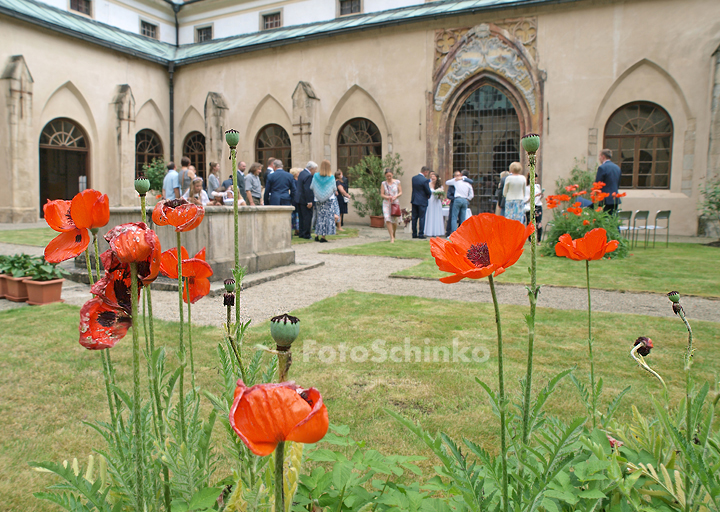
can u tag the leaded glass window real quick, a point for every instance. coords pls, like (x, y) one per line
(273, 141)
(194, 149)
(357, 139)
(147, 147)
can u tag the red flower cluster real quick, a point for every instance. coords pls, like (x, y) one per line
(621, 194)
(105, 318)
(88, 210)
(598, 185)
(593, 246)
(576, 209)
(195, 272)
(571, 188)
(597, 195)
(581, 193)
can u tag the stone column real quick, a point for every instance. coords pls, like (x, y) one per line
(303, 118)
(19, 199)
(714, 147)
(123, 109)
(215, 112)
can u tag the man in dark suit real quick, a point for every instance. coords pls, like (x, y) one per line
(279, 187)
(609, 173)
(304, 197)
(420, 195)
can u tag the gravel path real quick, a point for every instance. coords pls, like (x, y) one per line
(370, 274)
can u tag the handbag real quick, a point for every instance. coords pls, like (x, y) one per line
(395, 210)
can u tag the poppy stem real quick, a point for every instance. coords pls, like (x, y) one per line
(192, 360)
(97, 255)
(590, 348)
(137, 427)
(689, 428)
(284, 362)
(89, 267)
(279, 483)
(181, 349)
(532, 297)
(501, 396)
(237, 272)
(640, 360)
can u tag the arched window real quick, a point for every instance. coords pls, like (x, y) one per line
(357, 139)
(194, 149)
(640, 137)
(63, 161)
(273, 141)
(147, 147)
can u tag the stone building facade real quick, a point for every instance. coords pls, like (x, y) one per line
(448, 86)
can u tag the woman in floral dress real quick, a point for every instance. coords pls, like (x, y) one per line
(390, 191)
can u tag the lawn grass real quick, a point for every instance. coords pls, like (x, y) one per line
(690, 268)
(348, 233)
(37, 237)
(49, 384)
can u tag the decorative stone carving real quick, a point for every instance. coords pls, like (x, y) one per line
(123, 106)
(480, 51)
(215, 111)
(16, 84)
(303, 116)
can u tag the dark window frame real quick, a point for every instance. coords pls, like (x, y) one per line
(152, 29)
(82, 7)
(191, 144)
(267, 24)
(203, 29)
(355, 7)
(346, 157)
(634, 141)
(145, 156)
(282, 152)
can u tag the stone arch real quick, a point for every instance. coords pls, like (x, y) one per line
(268, 111)
(150, 109)
(149, 117)
(68, 102)
(629, 71)
(191, 121)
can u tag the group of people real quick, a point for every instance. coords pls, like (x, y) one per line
(320, 197)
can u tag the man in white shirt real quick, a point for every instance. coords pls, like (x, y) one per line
(171, 183)
(463, 196)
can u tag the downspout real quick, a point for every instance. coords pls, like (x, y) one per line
(171, 72)
(176, 10)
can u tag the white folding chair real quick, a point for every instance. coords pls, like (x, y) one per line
(625, 216)
(661, 215)
(641, 215)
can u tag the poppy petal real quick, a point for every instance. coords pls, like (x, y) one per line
(196, 268)
(169, 263)
(101, 326)
(314, 427)
(90, 209)
(158, 215)
(67, 245)
(57, 215)
(195, 288)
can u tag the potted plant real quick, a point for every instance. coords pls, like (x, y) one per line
(44, 282)
(368, 176)
(155, 173)
(3, 269)
(16, 270)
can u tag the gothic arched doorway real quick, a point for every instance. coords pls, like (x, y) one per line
(63, 161)
(486, 139)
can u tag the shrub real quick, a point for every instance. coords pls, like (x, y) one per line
(710, 204)
(579, 175)
(155, 172)
(368, 175)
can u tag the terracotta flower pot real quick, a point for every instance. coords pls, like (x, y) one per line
(44, 292)
(3, 286)
(16, 289)
(377, 221)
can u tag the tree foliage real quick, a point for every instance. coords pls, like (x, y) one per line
(368, 175)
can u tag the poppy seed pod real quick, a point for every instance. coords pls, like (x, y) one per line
(228, 299)
(677, 308)
(142, 185)
(674, 296)
(232, 137)
(284, 329)
(229, 285)
(531, 143)
(645, 345)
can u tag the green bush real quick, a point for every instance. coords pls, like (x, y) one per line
(574, 225)
(155, 172)
(579, 175)
(710, 204)
(368, 175)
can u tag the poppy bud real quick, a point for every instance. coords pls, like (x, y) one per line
(229, 299)
(531, 143)
(142, 185)
(229, 285)
(674, 296)
(232, 137)
(284, 329)
(645, 345)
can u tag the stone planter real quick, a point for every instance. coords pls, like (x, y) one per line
(377, 221)
(3, 286)
(44, 292)
(16, 289)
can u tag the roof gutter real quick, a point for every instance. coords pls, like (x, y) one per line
(176, 9)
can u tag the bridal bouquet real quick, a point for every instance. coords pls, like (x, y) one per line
(439, 193)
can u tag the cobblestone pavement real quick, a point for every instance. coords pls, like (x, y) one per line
(371, 274)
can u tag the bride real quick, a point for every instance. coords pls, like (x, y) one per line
(434, 225)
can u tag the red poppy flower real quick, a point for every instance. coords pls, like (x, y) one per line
(621, 194)
(101, 326)
(88, 209)
(586, 222)
(181, 214)
(562, 197)
(598, 185)
(195, 272)
(580, 193)
(596, 196)
(134, 243)
(483, 244)
(599, 209)
(571, 188)
(592, 246)
(267, 414)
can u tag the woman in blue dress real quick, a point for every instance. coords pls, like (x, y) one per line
(326, 205)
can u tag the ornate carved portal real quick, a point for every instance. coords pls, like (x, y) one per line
(487, 92)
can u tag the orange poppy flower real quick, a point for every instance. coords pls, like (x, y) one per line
(101, 326)
(580, 193)
(592, 246)
(598, 185)
(114, 288)
(483, 244)
(571, 188)
(562, 197)
(586, 222)
(195, 272)
(621, 194)
(267, 414)
(599, 209)
(88, 209)
(134, 242)
(181, 214)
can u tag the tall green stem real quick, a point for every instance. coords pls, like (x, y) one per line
(181, 351)
(590, 348)
(137, 441)
(192, 360)
(279, 480)
(97, 254)
(501, 397)
(532, 297)
(89, 267)
(237, 273)
(688, 402)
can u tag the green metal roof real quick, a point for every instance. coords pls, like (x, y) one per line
(164, 53)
